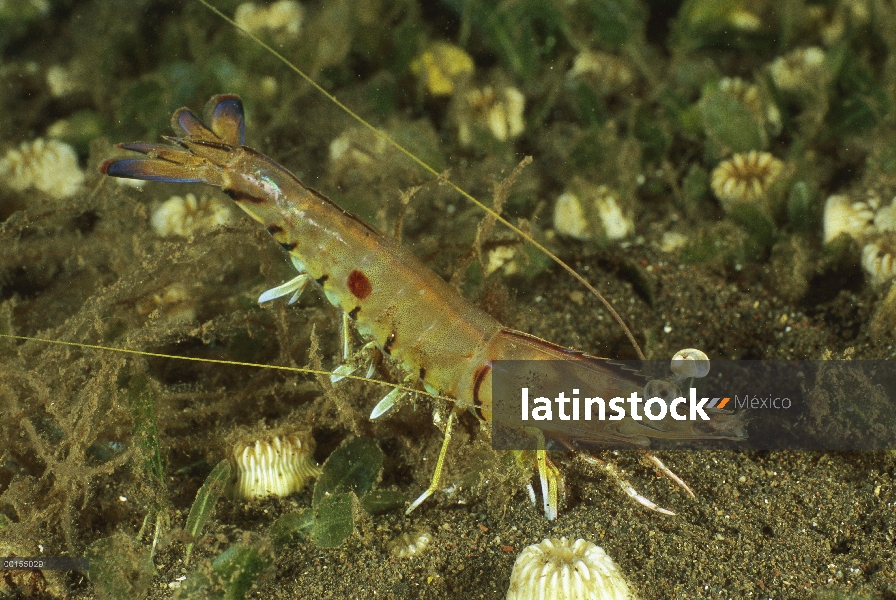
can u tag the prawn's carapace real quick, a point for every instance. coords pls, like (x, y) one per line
(403, 309)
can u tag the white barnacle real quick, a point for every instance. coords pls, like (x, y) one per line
(798, 70)
(187, 215)
(614, 223)
(357, 148)
(569, 218)
(557, 569)
(608, 73)
(885, 217)
(747, 93)
(744, 20)
(64, 80)
(673, 241)
(410, 544)
(284, 16)
(275, 466)
(501, 258)
(360, 157)
(878, 259)
(574, 210)
(842, 215)
(745, 177)
(50, 166)
(174, 304)
(499, 111)
(859, 10)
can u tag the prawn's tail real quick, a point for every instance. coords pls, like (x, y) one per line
(203, 154)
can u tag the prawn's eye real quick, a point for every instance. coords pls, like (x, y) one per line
(690, 362)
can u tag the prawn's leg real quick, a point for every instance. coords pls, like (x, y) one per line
(550, 476)
(389, 400)
(532, 498)
(350, 364)
(668, 473)
(364, 357)
(386, 404)
(437, 475)
(610, 468)
(346, 338)
(551, 484)
(296, 286)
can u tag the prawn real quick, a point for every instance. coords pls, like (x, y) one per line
(405, 311)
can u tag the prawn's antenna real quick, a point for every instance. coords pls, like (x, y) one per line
(218, 361)
(432, 171)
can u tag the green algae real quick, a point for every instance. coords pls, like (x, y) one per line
(206, 498)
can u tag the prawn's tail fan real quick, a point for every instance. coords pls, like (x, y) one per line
(225, 118)
(225, 114)
(202, 156)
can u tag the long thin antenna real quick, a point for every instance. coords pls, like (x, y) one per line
(218, 361)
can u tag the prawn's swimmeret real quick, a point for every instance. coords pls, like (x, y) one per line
(401, 307)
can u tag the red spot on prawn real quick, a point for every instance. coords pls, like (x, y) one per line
(358, 284)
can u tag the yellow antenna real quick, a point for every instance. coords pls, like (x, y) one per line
(217, 361)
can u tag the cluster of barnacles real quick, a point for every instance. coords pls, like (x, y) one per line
(870, 222)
